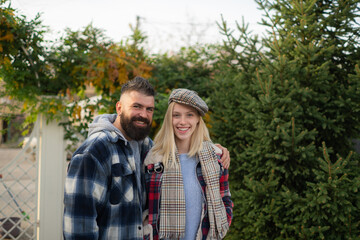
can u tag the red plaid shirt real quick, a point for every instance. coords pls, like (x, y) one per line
(153, 189)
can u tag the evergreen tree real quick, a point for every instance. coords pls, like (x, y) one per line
(289, 121)
(191, 67)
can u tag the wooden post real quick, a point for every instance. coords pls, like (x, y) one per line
(52, 162)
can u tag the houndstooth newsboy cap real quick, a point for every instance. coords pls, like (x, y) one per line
(190, 98)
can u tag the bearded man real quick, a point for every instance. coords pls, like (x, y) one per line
(104, 189)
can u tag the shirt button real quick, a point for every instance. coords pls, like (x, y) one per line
(139, 227)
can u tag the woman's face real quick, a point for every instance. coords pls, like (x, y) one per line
(185, 120)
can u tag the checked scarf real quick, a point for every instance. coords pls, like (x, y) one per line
(172, 209)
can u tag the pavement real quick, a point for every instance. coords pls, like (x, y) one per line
(7, 154)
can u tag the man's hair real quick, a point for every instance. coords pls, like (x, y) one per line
(138, 84)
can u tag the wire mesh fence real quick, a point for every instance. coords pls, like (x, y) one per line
(18, 193)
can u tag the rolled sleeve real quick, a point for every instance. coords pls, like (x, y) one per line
(226, 195)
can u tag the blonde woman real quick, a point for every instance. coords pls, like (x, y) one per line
(187, 186)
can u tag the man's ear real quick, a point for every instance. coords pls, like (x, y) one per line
(118, 107)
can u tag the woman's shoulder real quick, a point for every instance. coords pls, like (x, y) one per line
(152, 158)
(218, 151)
(212, 146)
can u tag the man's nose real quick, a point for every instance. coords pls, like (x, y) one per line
(143, 113)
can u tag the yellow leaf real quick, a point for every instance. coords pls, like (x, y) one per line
(8, 37)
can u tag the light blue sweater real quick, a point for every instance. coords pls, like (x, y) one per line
(193, 196)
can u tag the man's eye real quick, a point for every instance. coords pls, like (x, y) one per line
(137, 107)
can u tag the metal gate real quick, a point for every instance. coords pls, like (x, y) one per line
(18, 192)
(31, 186)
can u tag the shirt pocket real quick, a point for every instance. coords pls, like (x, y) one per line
(122, 184)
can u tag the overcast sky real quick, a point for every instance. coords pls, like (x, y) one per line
(168, 24)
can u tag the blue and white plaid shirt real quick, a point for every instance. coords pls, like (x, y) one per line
(102, 198)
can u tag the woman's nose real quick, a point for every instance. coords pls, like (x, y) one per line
(182, 120)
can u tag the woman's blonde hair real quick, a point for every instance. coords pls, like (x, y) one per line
(164, 142)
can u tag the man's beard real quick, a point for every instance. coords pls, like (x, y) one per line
(134, 132)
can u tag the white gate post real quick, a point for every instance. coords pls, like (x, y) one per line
(52, 163)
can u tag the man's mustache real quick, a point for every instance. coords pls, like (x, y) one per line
(145, 120)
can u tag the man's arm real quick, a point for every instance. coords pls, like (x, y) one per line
(226, 196)
(225, 158)
(85, 187)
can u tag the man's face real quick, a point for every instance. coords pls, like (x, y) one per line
(136, 112)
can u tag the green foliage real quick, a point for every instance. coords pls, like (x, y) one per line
(274, 107)
(231, 101)
(330, 207)
(191, 68)
(161, 105)
(70, 57)
(234, 92)
(54, 80)
(322, 37)
(22, 55)
(100, 64)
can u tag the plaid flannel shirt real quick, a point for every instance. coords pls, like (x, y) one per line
(153, 189)
(102, 198)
